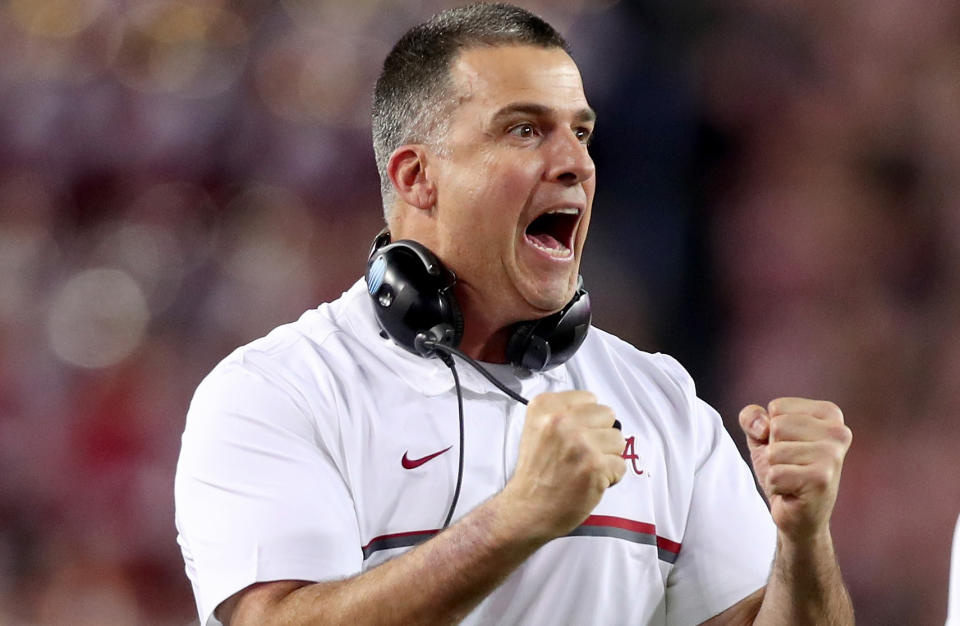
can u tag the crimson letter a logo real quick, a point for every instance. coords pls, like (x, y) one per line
(631, 455)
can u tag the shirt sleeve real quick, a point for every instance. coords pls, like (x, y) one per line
(259, 496)
(729, 540)
(953, 601)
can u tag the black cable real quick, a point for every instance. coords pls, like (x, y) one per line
(510, 392)
(446, 358)
(444, 355)
(446, 351)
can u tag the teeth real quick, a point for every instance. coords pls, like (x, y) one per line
(565, 211)
(561, 252)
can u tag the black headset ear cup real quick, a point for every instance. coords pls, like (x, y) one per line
(457, 319)
(546, 343)
(412, 295)
(517, 344)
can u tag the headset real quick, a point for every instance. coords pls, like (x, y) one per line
(415, 306)
(414, 303)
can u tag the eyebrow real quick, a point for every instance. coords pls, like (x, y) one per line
(531, 108)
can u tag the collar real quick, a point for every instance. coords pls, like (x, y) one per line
(432, 377)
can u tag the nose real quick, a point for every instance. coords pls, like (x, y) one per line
(570, 162)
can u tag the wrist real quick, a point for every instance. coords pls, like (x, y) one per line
(808, 555)
(813, 542)
(518, 520)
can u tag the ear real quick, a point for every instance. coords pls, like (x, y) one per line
(407, 169)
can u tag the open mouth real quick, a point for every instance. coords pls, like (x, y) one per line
(553, 232)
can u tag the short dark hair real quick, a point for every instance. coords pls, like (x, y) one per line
(413, 87)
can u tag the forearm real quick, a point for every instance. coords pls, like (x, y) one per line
(805, 586)
(438, 582)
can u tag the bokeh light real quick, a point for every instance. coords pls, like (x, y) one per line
(778, 206)
(50, 40)
(303, 78)
(54, 18)
(194, 49)
(98, 318)
(267, 236)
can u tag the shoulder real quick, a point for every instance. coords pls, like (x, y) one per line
(654, 385)
(296, 348)
(608, 352)
(303, 362)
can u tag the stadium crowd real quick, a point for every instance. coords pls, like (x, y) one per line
(779, 208)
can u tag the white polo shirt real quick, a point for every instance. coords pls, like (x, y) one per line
(953, 597)
(322, 450)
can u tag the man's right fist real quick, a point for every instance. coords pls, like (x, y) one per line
(570, 453)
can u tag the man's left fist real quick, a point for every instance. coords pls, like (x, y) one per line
(797, 447)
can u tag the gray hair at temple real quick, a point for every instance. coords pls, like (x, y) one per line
(414, 95)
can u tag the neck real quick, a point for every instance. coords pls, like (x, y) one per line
(484, 345)
(485, 332)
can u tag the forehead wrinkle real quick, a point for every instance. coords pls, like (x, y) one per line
(583, 115)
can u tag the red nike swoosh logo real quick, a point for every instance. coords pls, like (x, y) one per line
(412, 463)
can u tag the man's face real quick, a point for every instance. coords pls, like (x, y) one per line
(514, 180)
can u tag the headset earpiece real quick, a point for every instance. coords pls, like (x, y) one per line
(412, 294)
(414, 302)
(545, 343)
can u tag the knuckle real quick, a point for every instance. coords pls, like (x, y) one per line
(846, 435)
(614, 470)
(580, 445)
(832, 411)
(838, 454)
(841, 434)
(775, 475)
(784, 405)
(581, 396)
(540, 400)
(553, 424)
(831, 455)
(826, 450)
(777, 424)
(775, 452)
(819, 478)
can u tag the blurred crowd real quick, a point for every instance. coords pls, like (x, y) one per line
(778, 207)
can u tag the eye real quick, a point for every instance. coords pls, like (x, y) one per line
(524, 131)
(584, 134)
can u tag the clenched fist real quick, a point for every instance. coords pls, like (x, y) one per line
(797, 447)
(570, 453)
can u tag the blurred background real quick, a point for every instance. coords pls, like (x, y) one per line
(779, 207)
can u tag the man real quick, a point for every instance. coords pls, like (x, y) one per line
(316, 469)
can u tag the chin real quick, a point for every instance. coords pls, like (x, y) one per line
(550, 299)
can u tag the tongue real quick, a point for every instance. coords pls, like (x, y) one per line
(545, 240)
